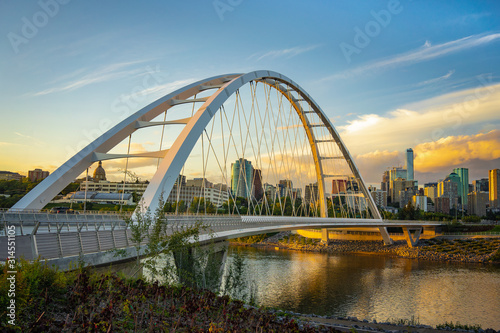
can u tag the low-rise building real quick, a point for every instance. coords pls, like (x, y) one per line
(102, 198)
(7, 175)
(105, 186)
(37, 174)
(188, 193)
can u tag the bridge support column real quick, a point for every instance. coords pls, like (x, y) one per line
(324, 236)
(385, 236)
(412, 240)
(202, 266)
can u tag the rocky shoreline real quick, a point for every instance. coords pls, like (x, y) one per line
(468, 251)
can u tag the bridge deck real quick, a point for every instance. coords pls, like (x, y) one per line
(62, 241)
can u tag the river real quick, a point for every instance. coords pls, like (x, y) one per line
(374, 287)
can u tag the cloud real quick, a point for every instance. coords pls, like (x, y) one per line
(32, 141)
(468, 19)
(288, 53)
(434, 160)
(2, 143)
(371, 165)
(423, 53)
(162, 89)
(23, 135)
(106, 73)
(455, 151)
(425, 121)
(437, 79)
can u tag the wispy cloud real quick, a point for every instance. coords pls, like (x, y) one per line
(32, 141)
(24, 136)
(162, 89)
(287, 53)
(468, 19)
(4, 144)
(434, 80)
(106, 73)
(423, 53)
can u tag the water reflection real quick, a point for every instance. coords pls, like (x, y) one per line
(375, 288)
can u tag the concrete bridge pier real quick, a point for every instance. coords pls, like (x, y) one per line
(202, 265)
(324, 236)
(385, 236)
(412, 239)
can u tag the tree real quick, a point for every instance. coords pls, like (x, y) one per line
(409, 212)
(192, 264)
(72, 187)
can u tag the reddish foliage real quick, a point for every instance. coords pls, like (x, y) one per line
(110, 304)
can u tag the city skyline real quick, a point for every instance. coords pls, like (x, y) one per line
(411, 81)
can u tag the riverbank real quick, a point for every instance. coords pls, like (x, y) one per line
(82, 301)
(483, 250)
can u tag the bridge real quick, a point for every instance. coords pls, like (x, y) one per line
(264, 155)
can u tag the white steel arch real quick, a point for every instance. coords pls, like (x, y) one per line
(175, 157)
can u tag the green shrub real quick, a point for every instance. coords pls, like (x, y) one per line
(457, 325)
(37, 285)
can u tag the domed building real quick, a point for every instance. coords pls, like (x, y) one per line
(99, 173)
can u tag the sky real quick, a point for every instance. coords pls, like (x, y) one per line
(390, 75)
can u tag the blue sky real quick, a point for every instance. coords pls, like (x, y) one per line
(389, 74)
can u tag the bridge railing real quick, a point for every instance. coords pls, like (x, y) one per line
(59, 239)
(480, 233)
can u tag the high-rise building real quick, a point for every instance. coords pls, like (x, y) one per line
(297, 193)
(352, 185)
(397, 172)
(409, 164)
(241, 178)
(398, 185)
(450, 187)
(311, 193)
(339, 186)
(478, 202)
(380, 197)
(281, 190)
(270, 191)
(443, 205)
(431, 192)
(37, 174)
(384, 185)
(258, 190)
(420, 201)
(286, 187)
(494, 183)
(180, 180)
(481, 185)
(463, 174)
(406, 195)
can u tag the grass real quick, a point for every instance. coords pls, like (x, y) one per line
(457, 325)
(496, 229)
